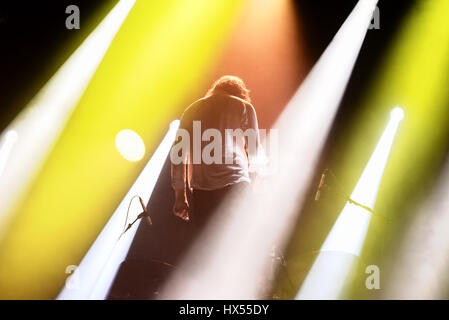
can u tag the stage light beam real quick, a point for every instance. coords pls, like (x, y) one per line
(8, 141)
(413, 73)
(40, 124)
(248, 231)
(160, 54)
(330, 274)
(397, 114)
(100, 264)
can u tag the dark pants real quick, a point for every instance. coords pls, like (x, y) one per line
(207, 202)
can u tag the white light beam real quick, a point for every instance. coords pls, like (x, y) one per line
(96, 272)
(233, 251)
(330, 274)
(39, 125)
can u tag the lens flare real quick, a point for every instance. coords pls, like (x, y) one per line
(130, 145)
(100, 264)
(397, 114)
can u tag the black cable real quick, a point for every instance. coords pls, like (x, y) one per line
(127, 211)
(141, 215)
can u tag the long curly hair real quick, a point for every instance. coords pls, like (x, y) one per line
(231, 85)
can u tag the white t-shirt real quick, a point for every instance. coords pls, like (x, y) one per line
(213, 164)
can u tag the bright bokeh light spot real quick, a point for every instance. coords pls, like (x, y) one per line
(175, 124)
(397, 114)
(130, 145)
(101, 263)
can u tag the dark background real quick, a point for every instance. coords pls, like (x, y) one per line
(35, 43)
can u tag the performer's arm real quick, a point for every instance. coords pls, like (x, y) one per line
(178, 176)
(181, 206)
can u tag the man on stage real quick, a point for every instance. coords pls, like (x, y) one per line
(218, 141)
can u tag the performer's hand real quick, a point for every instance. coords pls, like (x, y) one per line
(181, 208)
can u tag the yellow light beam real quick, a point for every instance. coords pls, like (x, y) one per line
(40, 124)
(159, 55)
(96, 272)
(329, 276)
(414, 75)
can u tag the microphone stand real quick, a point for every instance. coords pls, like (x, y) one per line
(144, 213)
(348, 198)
